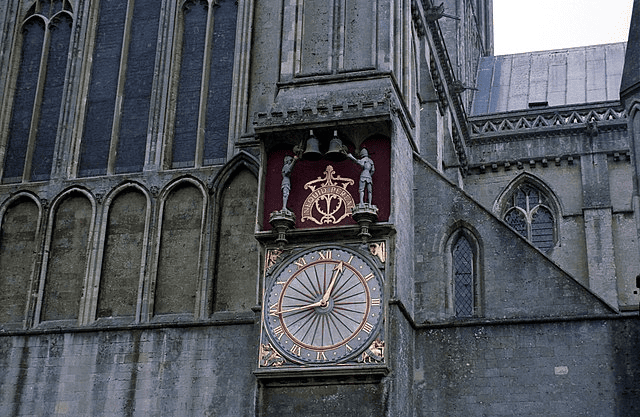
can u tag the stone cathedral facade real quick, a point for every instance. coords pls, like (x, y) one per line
(313, 208)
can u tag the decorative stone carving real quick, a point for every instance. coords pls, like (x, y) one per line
(282, 221)
(365, 214)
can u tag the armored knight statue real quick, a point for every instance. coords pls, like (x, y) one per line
(368, 169)
(287, 168)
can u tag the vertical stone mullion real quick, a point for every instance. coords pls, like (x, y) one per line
(204, 89)
(64, 159)
(92, 277)
(158, 139)
(35, 113)
(117, 111)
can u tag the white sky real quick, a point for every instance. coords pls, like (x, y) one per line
(538, 25)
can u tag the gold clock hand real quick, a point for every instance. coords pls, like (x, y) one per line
(337, 270)
(316, 304)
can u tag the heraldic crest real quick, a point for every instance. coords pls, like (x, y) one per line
(329, 201)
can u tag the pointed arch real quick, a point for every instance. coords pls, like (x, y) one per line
(236, 267)
(21, 217)
(66, 262)
(463, 257)
(242, 160)
(39, 86)
(530, 207)
(122, 256)
(634, 107)
(181, 236)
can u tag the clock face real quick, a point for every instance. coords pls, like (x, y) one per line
(324, 306)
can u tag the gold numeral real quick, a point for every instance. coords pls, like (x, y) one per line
(278, 332)
(350, 259)
(295, 349)
(367, 327)
(368, 277)
(320, 356)
(281, 282)
(273, 310)
(300, 262)
(325, 255)
(349, 348)
(375, 301)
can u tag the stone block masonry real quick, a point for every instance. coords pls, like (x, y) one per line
(205, 371)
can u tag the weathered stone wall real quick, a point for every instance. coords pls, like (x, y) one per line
(122, 260)
(591, 179)
(180, 251)
(17, 258)
(515, 279)
(237, 250)
(586, 368)
(66, 263)
(204, 371)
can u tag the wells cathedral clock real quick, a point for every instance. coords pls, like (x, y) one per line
(324, 295)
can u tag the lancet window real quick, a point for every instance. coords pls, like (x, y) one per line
(206, 37)
(120, 87)
(39, 90)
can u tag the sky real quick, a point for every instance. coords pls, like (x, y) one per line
(538, 25)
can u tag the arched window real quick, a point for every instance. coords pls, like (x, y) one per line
(529, 211)
(33, 126)
(464, 285)
(463, 277)
(120, 87)
(201, 123)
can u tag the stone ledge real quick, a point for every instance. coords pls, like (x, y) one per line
(217, 319)
(324, 374)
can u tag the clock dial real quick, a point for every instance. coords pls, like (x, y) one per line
(324, 306)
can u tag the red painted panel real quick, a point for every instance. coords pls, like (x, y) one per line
(307, 171)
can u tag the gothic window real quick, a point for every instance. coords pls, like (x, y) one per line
(201, 127)
(463, 277)
(528, 211)
(46, 34)
(120, 87)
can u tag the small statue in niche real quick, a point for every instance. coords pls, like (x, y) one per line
(287, 168)
(368, 168)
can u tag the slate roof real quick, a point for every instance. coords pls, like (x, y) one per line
(631, 77)
(549, 78)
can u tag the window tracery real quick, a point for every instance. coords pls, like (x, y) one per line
(528, 210)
